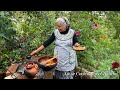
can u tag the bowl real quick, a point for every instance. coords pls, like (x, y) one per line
(48, 66)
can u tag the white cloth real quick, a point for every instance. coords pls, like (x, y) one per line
(67, 59)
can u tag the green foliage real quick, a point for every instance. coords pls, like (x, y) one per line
(21, 32)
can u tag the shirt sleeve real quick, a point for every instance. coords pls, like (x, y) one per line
(75, 39)
(49, 40)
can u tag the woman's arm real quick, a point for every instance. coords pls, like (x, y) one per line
(38, 50)
(49, 41)
(45, 44)
(75, 41)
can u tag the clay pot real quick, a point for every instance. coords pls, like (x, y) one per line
(47, 67)
(31, 69)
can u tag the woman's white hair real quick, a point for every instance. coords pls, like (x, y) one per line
(64, 21)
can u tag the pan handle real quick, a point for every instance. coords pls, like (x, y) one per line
(28, 57)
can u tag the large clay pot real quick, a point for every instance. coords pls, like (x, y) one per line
(31, 69)
(48, 67)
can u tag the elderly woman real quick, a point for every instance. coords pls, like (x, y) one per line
(64, 38)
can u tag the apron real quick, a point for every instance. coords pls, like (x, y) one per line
(67, 59)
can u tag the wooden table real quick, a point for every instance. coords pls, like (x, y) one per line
(19, 70)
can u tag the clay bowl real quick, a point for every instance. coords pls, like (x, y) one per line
(49, 66)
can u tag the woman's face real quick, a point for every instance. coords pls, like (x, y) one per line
(61, 27)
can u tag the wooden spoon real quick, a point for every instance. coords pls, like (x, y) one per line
(45, 62)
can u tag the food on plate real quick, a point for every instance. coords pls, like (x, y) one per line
(79, 48)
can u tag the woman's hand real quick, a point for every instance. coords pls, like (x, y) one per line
(76, 44)
(34, 52)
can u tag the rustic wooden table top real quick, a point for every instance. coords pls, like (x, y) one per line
(20, 73)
